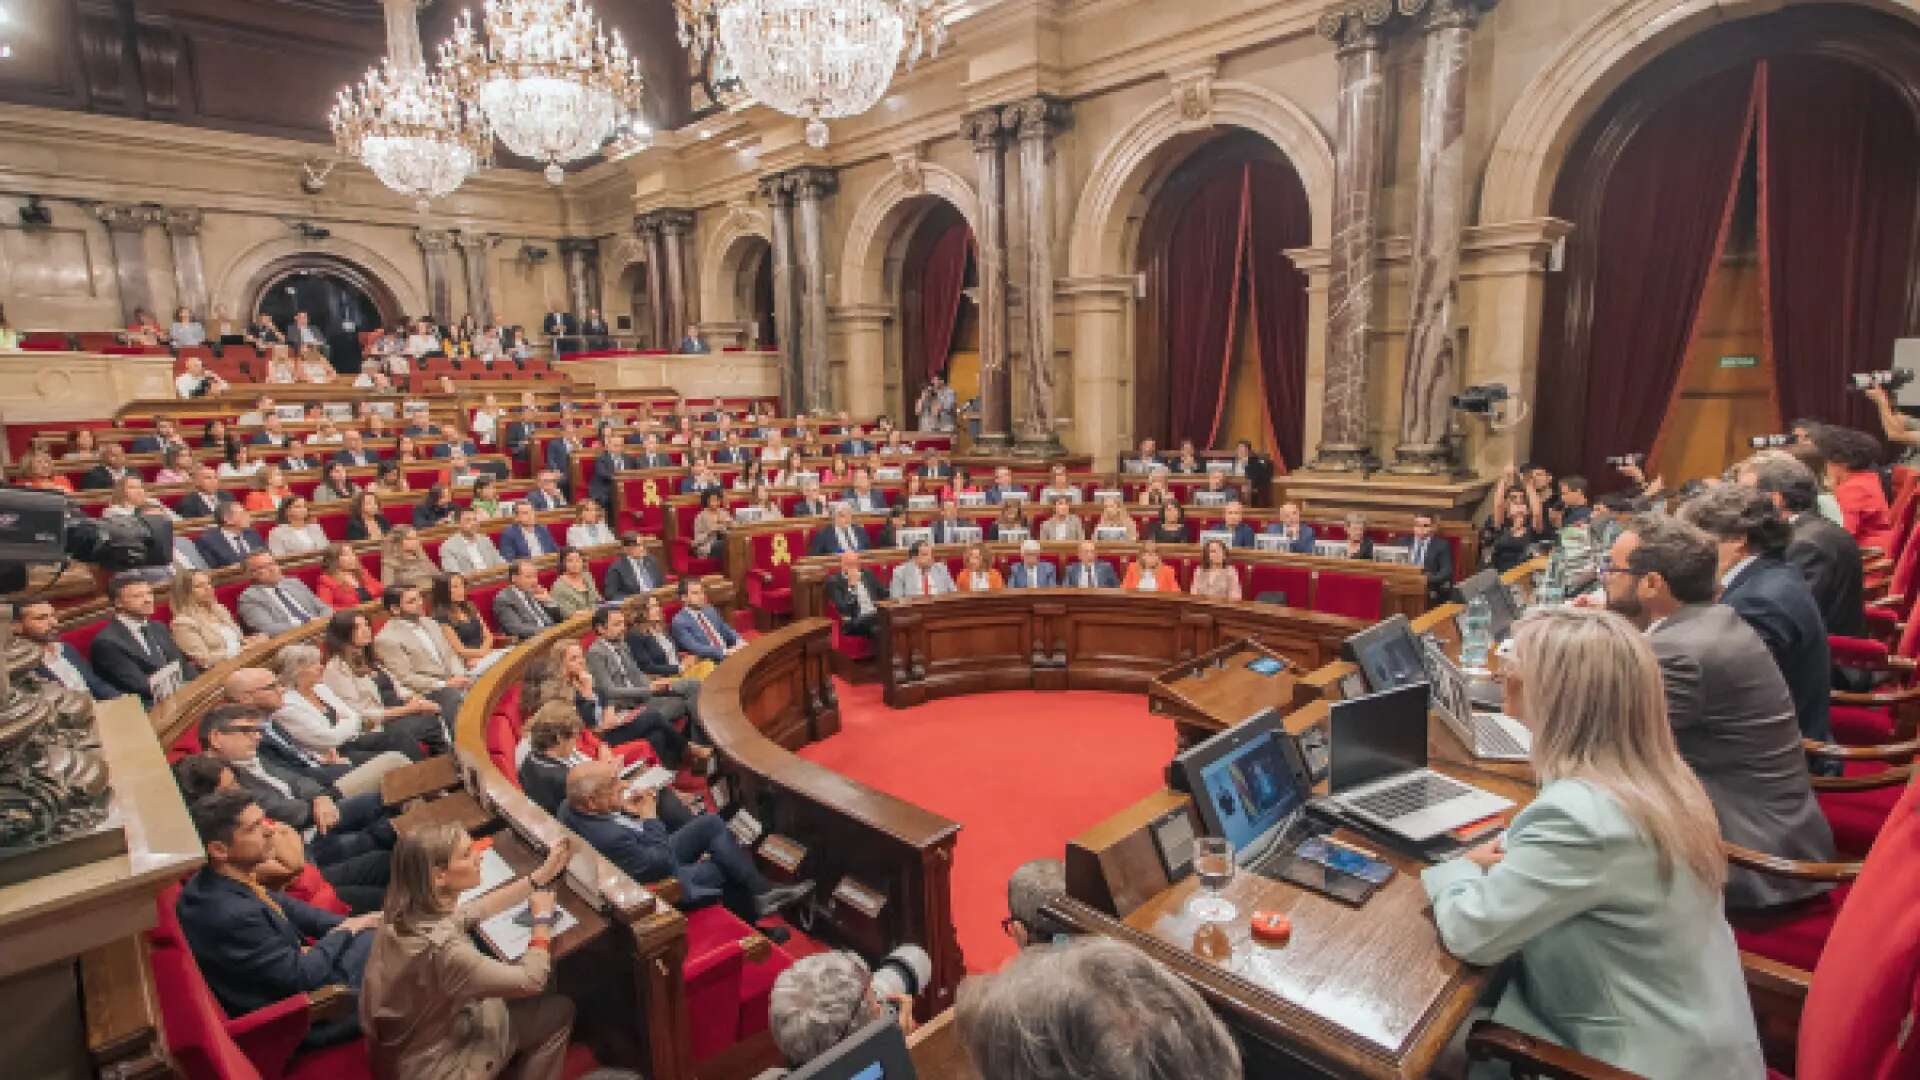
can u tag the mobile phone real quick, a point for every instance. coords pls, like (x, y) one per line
(1344, 859)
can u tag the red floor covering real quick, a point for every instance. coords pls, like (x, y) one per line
(1021, 772)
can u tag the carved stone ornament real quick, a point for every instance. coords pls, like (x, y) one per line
(183, 220)
(983, 128)
(675, 222)
(742, 216)
(1357, 23)
(906, 166)
(775, 191)
(813, 182)
(127, 217)
(1192, 90)
(1036, 117)
(1446, 14)
(53, 778)
(433, 239)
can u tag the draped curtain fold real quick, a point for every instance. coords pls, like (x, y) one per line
(1277, 291)
(1200, 273)
(1839, 177)
(945, 278)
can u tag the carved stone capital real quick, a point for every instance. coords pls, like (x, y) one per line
(906, 166)
(645, 225)
(813, 182)
(1357, 24)
(1037, 117)
(983, 129)
(1446, 14)
(674, 222)
(127, 217)
(182, 220)
(588, 248)
(1192, 91)
(433, 240)
(774, 191)
(472, 242)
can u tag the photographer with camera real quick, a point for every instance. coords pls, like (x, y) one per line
(1853, 459)
(1902, 431)
(824, 998)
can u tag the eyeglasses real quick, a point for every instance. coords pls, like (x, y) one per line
(246, 729)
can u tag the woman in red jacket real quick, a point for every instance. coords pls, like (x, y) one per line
(343, 582)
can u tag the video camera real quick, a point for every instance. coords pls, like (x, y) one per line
(1891, 379)
(1770, 442)
(1626, 461)
(1479, 400)
(45, 528)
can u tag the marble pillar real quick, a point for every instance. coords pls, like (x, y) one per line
(676, 226)
(988, 135)
(1432, 368)
(812, 187)
(863, 335)
(1360, 33)
(581, 260)
(473, 256)
(777, 192)
(189, 266)
(659, 320)
(127, 237)
(1036, 121)
(436, 245)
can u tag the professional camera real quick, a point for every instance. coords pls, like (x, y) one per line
(1892, 379)
(1770, 442)
(1480, 400)
(45, 528)
(1626, 461)
(902, 972)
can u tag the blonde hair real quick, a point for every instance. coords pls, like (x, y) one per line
(1592, 681)
(412, 901)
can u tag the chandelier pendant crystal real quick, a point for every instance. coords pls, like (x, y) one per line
(815, 59)
(549, 80)
(406, 124)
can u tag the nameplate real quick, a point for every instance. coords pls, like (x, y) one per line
(290, 412)
(1331, 549)
(1011, 534)
(1072, 495)
(1112, 532)
(1013, 496)
(906, 538)
(337, 410)
(1264, 542)
(965, 534)
(1392, 553)
(1209, 498)
(1135, 465)
(971, 498)
(801, 478)
(784, 852)
(922, 502)
(747, 515)
(1221, 535)
(861, 898)
(1103, 494)
(890, 472)
(1220, 467)
(414, 406)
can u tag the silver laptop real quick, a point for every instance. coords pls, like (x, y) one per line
(1208, 536)
(906, 538)
(1494, 736)
(1379, 768)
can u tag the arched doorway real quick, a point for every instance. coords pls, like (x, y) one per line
(340, 298)
(1746, 214)
(939, 321)
(1221, 339)
(636, 287)
(753, 293)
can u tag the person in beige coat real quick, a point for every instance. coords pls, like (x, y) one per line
(404, 559)
(413, 647)
(432, 1005)
(205, 631)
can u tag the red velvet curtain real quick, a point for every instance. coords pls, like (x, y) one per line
(944, 279)
(1200, 284)
(1839, 174)
(1280, 220)
(1656, 230)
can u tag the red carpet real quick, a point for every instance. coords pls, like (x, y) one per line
(1021, 772)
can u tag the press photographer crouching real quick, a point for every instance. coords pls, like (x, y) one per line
(823, 999)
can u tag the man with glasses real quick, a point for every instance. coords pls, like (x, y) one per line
(355, 772)
(336, 826)
(821, 1000)
(274, 603)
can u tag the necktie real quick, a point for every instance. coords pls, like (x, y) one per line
(293, 606)
(1086, 576)
(1419, 553)
(846, 540)
(926, 583)
(539, 616)
(640, 578)
(701, 618)
(619, 665)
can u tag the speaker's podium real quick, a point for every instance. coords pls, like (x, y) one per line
(1219, 688)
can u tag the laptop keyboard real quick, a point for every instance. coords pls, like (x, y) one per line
(1416, 792)
(1492, 738)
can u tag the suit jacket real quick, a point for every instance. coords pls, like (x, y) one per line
(252, 955)
(557, 323)
(125, 665)
(908, 580)
(874, 502)
(353, 460)
(215, 548)
(604, 470)
(516, 435)
(659, 459)
(1773, 598)
(690, 638)
(542, 500)
(617, 680)
(198, 635)
(811, 508)
(596, 327)
(623, 581)
(514, 543)
(1048, 575)
(1302, 541)
(458, 555)
(1163, 578)
(1103, 576)
(1829, 558)
(407, 658)
(641, 850)
(652, 655)
(264, 612)
(97, 686)
(841, 595)
(559, 458)
(997, 494)
(1735, 723)
(1617, 960)
(514, 613)
(445, 449)
(98, 478)
(1437, 564)
(545, 781)
(197, 505)
(826, 540)
(994, 581)
(854, 448)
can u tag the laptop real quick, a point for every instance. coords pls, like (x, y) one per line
(877, 1051)
(1247, 789)
(1487, 584)
(1379, 774)
(1491, 735)
(1387, 654)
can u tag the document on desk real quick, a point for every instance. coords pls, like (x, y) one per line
(511, 932)
(494, 872)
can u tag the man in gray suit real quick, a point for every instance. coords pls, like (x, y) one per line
(274, 603)
(1089, 572)
(522, 609)
(920, 575)
(468, 550)
(1731, 713)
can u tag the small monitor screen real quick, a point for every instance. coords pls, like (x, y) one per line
(1250, 790)
(1382, 734)
(1500, 608)
(875, 1052)
(1388, 655)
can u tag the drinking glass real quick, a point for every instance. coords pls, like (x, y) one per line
(1213, 863)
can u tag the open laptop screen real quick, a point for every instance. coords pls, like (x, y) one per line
(1387, 654)
(875, 1052)
(1501, 614)
(1249, 791)
(1378, 735)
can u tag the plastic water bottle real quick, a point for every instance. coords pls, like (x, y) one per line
(1476, 634)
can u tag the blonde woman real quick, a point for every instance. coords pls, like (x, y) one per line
(36, 470)
(1148, 574)
(280, 369)
(205, 631)
(314, 368)
(589, 528)
(404, 559)
(979, 575)
(1115, 516)
(433, 1006)
(1608, 886)
(130, 498)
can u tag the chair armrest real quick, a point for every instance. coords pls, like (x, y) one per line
(1896, 776)
(269, 1036)
(1778, 993)
(764, 577)
(1900, 751)
(1794, 869)
(1902, 696)
(1868, 654)
(1528, 1056)
(1868, 553)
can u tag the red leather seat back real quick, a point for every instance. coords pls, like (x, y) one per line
(81, 637)
(1357, 596)
(1296, 582)
(482, 597)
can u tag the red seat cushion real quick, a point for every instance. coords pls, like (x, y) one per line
(1861, 725)
(712, 975)
(1295, 582)
(1356, 596)
(1794, 935)
(1856, 816)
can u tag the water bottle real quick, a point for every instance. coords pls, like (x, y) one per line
(1476, 634)
(1552, 589)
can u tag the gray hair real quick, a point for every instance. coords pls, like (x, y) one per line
(1030, 887)
(1094, 1009)
(293, 659)
(818, 1002)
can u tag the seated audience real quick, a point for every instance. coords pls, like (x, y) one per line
(526, 537)
(1089, 571)
(466, 632)
(553, 741)
(436, 507)
(206, 498)
(573, 590)
(635, 572)
(275, 603)
(353, 453)
(1146, 573)
(547, 495)
(843, 535)
(36, 471)
(1852, 461)
(176, 468)
(657, 707)
(1433, 555)
(920, 575)
(365, 519)
(233, 540)
(413, 648)
(1032, 572)
(404, 559)
(650, 641)
(269, 490)
(357, 772)
(1010, 523)
(342, 582)
(821, 1000)
(130, 499)
(134, 653)
(523, 609)
(61, 663)
(390, 479)
(297, 533)
(319, 722)
(1114, 516)
(1514, 539)
(1214, 577)
(590, 527)
(1359, 545)
(205, 631)
(468, 550)
(239, 463)
(1170, 527)
(698, 626)
(1297, 536)
(1826, 554)
(979, 575)
(1029, 889)
(710, 527)
(357, 677)
(853, 592)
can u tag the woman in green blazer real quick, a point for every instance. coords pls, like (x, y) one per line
(1608, 887)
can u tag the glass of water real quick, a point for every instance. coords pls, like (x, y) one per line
(1213, 863)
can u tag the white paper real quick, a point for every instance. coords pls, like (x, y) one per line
(481, 665)
(511, 939)
(654, 779)
(494, 872)
(165, 682)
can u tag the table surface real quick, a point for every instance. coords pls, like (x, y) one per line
(522, 858)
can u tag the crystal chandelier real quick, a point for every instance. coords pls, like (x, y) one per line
(406, 124)
(814, 59)
(551, 83)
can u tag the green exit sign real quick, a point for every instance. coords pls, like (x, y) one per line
(1739, 361)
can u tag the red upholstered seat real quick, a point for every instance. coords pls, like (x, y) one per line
(1295, 583)
(1794, 935)
(1356, 596)
(81, 637)
(482, 597)
(1857, 816)
(1861, 725)
(770, 570)
(851, 646)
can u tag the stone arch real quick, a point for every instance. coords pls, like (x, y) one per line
(1556, 105)
(1128, 170)
(876, 225)
(727, 251)
(248, 275)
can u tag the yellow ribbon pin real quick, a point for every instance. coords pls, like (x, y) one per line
(781, 552)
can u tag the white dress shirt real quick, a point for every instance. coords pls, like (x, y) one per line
(307, 725)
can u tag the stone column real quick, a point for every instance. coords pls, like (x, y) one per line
(675, 227)
(189, 267)
(1360, 33)
(126, 234)
(1432, 369)
(1036, 120)
(812, 186)
(437, 245)
(778, 194)
(473, 255)
(647, 226)
(863, 334)
(581, 258)
(988, 135)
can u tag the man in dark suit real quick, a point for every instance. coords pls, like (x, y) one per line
(526, 537)
(559, 326)
(560, 451)
(288, 786)
(1434, 557)
(1826, 554)
(548, 495)
(701, 855)
(843, 535)
(856, 445)
(1003, 485)
(854, 591)
(1298, 535)
(233, 539)
(949, 520)
(273, 432)
(698, 627)
(1031, 572)
(518, 435)
(1089, 571)
(594, 329)
(1239, 532)
(937, 467)
(353, 451)
(256, 947)
(812, 502)
(651, 455)
(635, 573)
(60, 662)
(1732, 715)
(864, 497)
(135, 654)
(206, 498)
(522, 609)
(163, 438)
(612, 461)
(113, 466)
(1771, 596)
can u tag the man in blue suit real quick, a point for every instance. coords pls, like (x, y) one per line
(697, 851)
(842, 535)
(612, 461)
(560, 451)
(1299, 536)
(1089, 572)
(1002, 485)
(698, 627)
(526, 537)
(233, 540)
(1239, 533)
(1030, 572)
(864, 497)
(164, 437)
(59, 662)
(548, 496)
